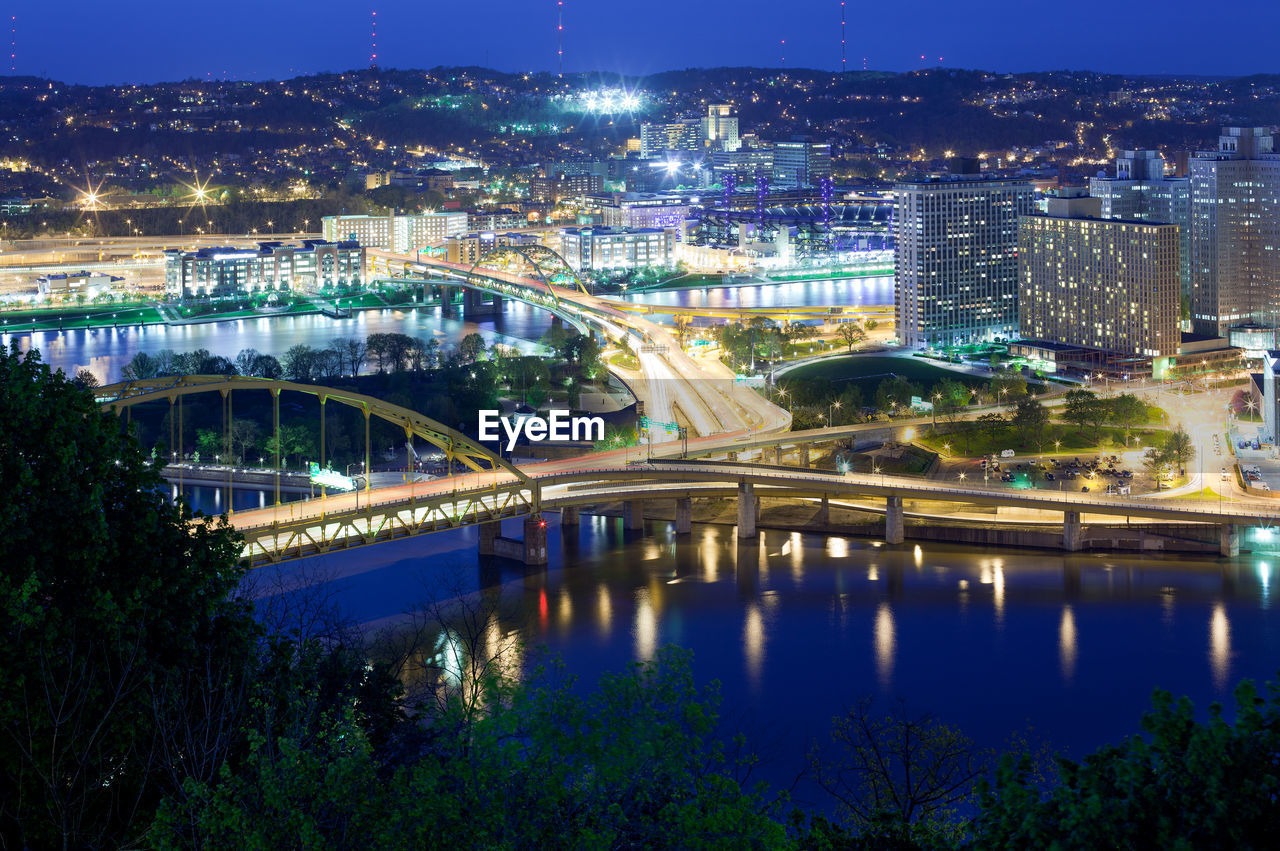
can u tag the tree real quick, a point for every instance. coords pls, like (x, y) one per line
(1179, 448)
(354, 352)
(993, 426)
(299, 363)
(1030, 418)
(115, 603)
(1184, 783)
(949, 399)
(897, 778)
(266, 366)
(1078, 409)
(893, 395)
(471, 347)
(245, 434)
(141, 366)
(851, 333)
(245, 360)
(1127, 410)
(871, 324)
(85, 378)
(1156, 460)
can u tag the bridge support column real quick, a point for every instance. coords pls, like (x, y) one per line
(1072, 532)
(748, 510)
(894, 528)
(733, 456)
(569, 516)
(804, 456)
(489, 533)
(824, 511)
(535, 540)
(1229, 540)
(474, 304)
(684, 516)
(777, 455)
(447, 307)
(633, 515)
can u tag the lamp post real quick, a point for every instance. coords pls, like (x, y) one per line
(835, 406)
(348, 475)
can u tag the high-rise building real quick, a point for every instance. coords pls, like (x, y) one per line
(1141, 192)
(553, 190)
(401, 234)
(587, 249)
(799, 164)
(315, 264)
(956, 258)
(720, 128)
(1235, 233)
(683, 135)
(1104, 284)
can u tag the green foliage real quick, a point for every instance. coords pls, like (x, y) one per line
(121, 660)
(1127, 411)
(1182, 784)
(635, 763)
(1030, 419)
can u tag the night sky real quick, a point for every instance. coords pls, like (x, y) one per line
(155, 40)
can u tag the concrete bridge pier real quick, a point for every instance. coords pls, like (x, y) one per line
(1229, 540)
(474, 304)
(633, 515)
(824, 511)
(447, 307)
(535, 540)
(530, 551)
(894, 527)
(684, 516)
(777, 455)
(1072, 531)
(748, 510)
(804, 456)
(570, 515)
(489, 533)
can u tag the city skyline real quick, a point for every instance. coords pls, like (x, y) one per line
(80, 42)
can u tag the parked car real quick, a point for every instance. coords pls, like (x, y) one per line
(1084, 489)
(1048, 477)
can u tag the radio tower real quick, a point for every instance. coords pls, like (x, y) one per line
(13, 44)
(844, 60)
(373, 40)
(560, 35)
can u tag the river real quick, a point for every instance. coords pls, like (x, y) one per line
(815, 293)
(797, 626)
(106, 351)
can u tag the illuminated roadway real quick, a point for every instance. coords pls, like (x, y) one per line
(336, 522)
(672, 385)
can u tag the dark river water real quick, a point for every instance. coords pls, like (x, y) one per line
(816, 293)
(106, 351)
(796, 627)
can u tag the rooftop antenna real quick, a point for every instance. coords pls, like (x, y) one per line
(844, 59)
(560, 35)
(373, 39)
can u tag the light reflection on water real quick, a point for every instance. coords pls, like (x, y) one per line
(107, 350)
(797, 627)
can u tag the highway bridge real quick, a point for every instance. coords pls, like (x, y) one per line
(674, 387)
(293, 531)
(493, 490)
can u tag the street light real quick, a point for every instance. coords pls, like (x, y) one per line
(835, 406)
